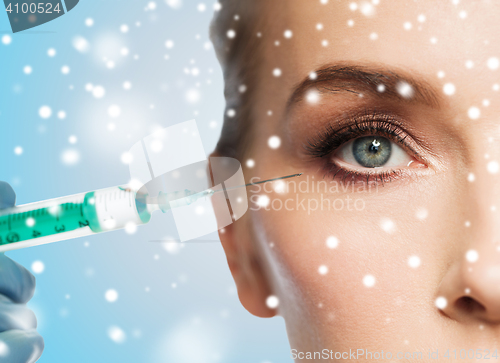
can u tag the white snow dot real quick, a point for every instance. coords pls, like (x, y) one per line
(4, 349)
(45, 112)
(51, 52)
(61, 115)
(369, 280)
(72, 139)
(324, 2)
(472, 255)
(27, 69)
(350, 23)
(288, 34)
(279, 186)
(440, 74)
(124, 28)
(313, 76)
(407, 25)
(274, 142)
(387, 225)
(332, 242)
(276, 72)
(192, 95)
(65, 70)
(467, 224)
(471, 177)
(404, 89)
(495, 87)
(493, 63)
(169, 44)
(114, 111)
(421, 18)
(319, 26)
(6, 39)
(89, 22)
(474, 113)
(231, 34)
(124, 51)
(127, 157)
(81, 44)
(422, 214)
(231, 113)
(70, 157)
(441, 302)
(493, 167)
(110, 64)
(250, 163)
(323, 270)
(130, 228)
(367, 9)
(242, 88)
(263, 201)
(414, 261)
(449, 89)
(171, 246)
(462, 14)
(469, 64)
(312, 96)
(174, 4)
(151, 5)
(486, 103)
(381, 88)
(324, 43)
(373, 36)
(127, 85)
(18, 150)
(353, 6)
(116, 334)
(272, 302)
(30, 222)
(37, 267)
(111, 295)
(98, 91)
(434, 40)
(201, 7)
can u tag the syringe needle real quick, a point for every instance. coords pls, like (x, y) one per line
(259, 182)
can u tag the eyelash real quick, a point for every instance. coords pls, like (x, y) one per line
(328, 141)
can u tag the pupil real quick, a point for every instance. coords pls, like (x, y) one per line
(374, 146)
(371, 151)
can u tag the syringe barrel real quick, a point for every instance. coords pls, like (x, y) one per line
(113, 208)
(70, 217)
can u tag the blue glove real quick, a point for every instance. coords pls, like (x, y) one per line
(19, 340)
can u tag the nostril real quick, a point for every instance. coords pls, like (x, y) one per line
(469, 305)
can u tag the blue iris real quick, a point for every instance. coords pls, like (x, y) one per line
(371, 151)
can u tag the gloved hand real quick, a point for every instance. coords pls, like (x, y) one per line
(19, 340)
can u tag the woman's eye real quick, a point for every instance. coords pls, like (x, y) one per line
(373, 152)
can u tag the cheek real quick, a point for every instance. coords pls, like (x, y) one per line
(349, 267)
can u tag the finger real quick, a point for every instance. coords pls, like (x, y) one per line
(7, 195)
(15, 316)
(20, 346)
(17, 283)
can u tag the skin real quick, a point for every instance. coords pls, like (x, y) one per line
(279, 252)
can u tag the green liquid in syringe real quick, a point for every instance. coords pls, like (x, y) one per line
(96, 211)
(42, 222)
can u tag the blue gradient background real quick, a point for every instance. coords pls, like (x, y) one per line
(201, 320)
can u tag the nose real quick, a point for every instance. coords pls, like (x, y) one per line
(470, 290)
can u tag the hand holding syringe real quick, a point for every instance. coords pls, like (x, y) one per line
(87, 213)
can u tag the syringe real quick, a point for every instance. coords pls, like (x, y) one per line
(89, 213)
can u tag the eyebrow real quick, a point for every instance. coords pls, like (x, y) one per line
(361, 80)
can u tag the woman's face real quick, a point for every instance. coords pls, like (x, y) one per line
(390, 240)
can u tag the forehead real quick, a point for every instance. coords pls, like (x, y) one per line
(454, 39)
